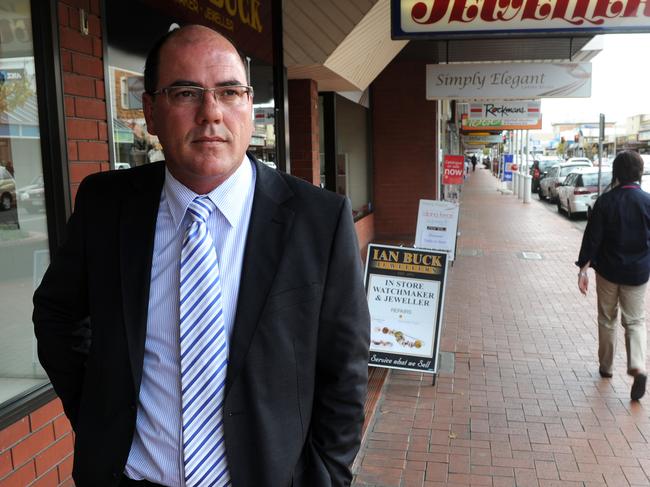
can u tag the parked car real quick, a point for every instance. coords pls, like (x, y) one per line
(573, 160)
(32, 196)
(556, 175)
(539, 170)
(7, 190)
(575, 193)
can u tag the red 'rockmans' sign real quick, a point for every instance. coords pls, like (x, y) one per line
(439, 18)
(453, 170)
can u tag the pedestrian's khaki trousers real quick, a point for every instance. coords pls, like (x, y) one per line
(632, 302)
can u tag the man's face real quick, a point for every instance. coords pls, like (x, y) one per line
(203, 144)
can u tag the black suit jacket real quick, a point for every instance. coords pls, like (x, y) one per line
(297, 374)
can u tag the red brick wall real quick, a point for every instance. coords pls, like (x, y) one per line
(365, 228)
(404, 131)
(38, 449)
(303, 130)
(84, 90)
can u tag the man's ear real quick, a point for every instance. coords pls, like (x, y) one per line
(147, 107)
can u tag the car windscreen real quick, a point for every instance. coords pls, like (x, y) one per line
(545, 165)
(592, 179)
(569, 169)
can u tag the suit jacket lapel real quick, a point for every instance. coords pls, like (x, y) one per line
(139, 211)
(268, 230)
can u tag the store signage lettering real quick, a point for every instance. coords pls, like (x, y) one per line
(246, 10)
(502, 78)
(497, 110)
(406, 257)
(501, 81)
(576, 12)
(457, 17)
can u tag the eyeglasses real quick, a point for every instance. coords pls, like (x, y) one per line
(192, 96)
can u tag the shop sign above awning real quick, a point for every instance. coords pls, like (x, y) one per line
(502, 115)
(440, 19)
(503, 81)
(481, 139)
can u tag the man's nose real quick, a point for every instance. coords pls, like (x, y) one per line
(210, 110)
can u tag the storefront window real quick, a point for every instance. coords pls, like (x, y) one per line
(263, 140)
(346, 170)
(24, 254)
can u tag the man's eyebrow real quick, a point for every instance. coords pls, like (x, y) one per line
(185, 82)
(231, 82)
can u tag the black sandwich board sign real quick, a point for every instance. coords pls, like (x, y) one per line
(405, 288)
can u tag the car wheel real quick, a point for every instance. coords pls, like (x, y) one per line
(559, 207)
(5, 202)
(569, 213)
(540, 193)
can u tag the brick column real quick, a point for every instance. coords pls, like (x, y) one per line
(84, 90)
(303, 130)
(404, 148)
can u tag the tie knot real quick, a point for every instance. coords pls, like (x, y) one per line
(200, 209)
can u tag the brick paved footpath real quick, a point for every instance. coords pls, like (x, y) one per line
(524, 405)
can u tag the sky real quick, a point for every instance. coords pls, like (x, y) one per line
(620, 84)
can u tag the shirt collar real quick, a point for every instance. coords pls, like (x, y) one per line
(228, 197)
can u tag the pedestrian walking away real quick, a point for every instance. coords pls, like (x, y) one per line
(474, 162)
(205, 320)
(616, 244)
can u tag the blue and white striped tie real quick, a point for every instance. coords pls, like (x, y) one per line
(204, 354)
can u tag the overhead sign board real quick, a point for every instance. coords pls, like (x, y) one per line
(501, 81)
(436, 19)
(503, 115)
(481, 139)
(405, 289)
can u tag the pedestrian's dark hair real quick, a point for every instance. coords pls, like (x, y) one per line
(627, 167)
(152, 63)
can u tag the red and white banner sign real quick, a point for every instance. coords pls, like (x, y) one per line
(417, 19)
(453, 170)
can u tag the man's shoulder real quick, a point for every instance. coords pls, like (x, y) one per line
(138, 176)
(304, 194)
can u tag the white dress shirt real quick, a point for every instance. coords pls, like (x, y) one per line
(155, 452)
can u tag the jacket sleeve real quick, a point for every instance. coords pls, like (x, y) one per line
(342, 361)
(593, 236)
(60, 316)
